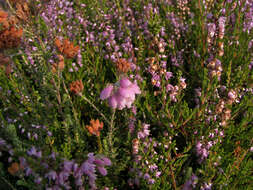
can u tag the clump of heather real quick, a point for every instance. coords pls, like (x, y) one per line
(126, 94)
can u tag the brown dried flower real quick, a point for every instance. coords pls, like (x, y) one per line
(14, 168)
(60, 65)
(22, 11)
(238, 149)
(66, 47)
(135, 146)
(123, 65)
(4, 60)
(10, 38)
(3, 20)
(95, 127)
(76, 87)
(5, 63)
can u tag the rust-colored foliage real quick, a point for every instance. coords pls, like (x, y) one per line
(76, 87)
(10, 36)
(95, 127)
(66, 47)
(22, 11)
(3, 20)
(123, 65)
(14, 168)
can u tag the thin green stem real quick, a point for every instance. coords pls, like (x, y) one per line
(73, 108)
(111, 129)
(87, 100)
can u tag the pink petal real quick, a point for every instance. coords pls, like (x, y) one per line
(106, 93)
(129, 103)
(107, 161)
(102, 171)
(112, 102)
(125, 82)
(121, 101)
(135, 88)
(125, 92)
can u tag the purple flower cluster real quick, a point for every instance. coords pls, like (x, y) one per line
(202, 151)
(88, 168)
(34, 152)
(191, 183)
(58, 13)
(248, 22)
(149, 165)
(221, 24)
(55, 179)
(122, 95)
(144, 132)
(215, 68)
(202, 147)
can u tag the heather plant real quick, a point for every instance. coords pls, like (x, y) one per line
(126, 94)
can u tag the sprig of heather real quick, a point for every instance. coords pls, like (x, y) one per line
(55, 172)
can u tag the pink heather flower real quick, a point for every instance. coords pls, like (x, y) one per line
(106, 92)
(169, 87)
(122, 95)
(232, 94)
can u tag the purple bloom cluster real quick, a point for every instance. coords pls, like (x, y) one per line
(202, 151)
(149, 165)
(57, 178)
(34, 152)
(215, 68)
(121, 96)
(248, 22)
(191, 183)
(144, 132)
(202, 147)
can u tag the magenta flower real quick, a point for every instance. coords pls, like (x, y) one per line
(122, 95)
(106, 92)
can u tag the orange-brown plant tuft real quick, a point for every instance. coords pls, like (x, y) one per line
(123, 65)
(10, 38)
(95, 127)
(76, 87)
(66, 47)
(22, 11)
(14, 168)
(3, 20)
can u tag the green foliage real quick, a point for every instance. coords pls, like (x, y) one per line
(38, 108)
